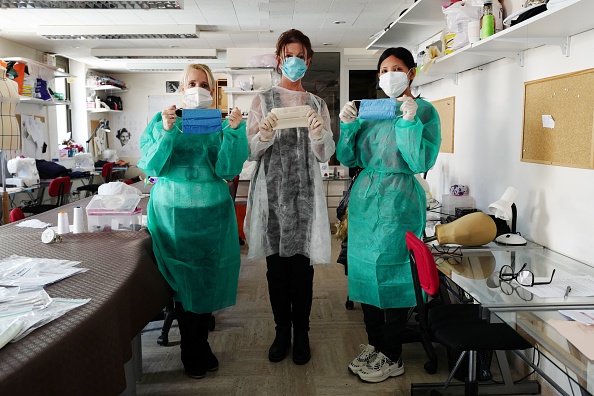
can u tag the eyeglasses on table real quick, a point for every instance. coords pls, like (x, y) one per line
(524, 277)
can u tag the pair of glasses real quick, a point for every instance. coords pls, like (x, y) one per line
(524, 277)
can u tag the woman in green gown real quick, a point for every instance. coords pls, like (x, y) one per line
(191, 215)
(386, 201)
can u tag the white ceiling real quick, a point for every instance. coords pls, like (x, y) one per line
(222, 23)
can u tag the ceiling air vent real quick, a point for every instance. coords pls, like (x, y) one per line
(118, 32)
(154, 53)
(93, 5)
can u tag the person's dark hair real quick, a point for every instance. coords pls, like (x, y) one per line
(120, 132)
(401, 53)
(293, 36)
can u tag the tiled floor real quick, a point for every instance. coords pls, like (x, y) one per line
(243, 335)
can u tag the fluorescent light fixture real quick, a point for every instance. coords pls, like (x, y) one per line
(104, 5)
(118, 32)
(165, 66)
(154, 53)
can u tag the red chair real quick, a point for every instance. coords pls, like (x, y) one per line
(16, 214)
(59, 188)
(460, 329)
(106, 174)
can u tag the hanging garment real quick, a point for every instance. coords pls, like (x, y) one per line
(386, 200)
(286, 210)
(191, 215)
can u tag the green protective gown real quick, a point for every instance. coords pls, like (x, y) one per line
(191, 216)
(386, 201)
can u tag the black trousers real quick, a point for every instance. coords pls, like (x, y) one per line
(385, 329)
(290, 287)
(193, 329)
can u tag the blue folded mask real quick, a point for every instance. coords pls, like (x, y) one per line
(201, 121)
(378, 109)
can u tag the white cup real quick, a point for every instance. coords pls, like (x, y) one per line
(474, 31)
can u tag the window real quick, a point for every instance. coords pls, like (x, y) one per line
(64, 121)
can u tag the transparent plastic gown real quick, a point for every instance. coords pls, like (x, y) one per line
(386, 201)
(286, 211)
(191, 215)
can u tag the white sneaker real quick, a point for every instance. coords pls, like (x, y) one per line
(368, 353)
(381, 368)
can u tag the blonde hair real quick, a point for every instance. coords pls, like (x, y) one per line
(197, 66)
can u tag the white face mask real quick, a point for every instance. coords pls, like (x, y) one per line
(197, 98)
(394, 83)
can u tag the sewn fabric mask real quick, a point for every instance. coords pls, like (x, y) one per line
(197, 98)
(294, 68)
(201, 121)
(378, 109)
(394, 83)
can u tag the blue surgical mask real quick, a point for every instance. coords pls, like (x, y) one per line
(201, 121)
(294, 68)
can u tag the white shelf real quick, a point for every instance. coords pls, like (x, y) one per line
(110, 88)
(549, 27)
(57, 72)
(103, 111)
(245, 70)
(53, 102)
(235, 91)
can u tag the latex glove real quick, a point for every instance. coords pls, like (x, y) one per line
(169, 117)
(409, 107)
(316, 125)
(266, 127)
(235, 118)
(348, 113)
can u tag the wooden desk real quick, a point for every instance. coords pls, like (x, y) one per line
(84, 351)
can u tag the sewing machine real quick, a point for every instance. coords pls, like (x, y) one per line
(24, 171)
(110, 155)
(84, 162)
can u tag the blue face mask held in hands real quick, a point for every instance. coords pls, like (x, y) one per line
(294, 68)
(201, 121)
(378, 109)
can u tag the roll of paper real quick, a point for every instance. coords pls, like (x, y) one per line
(78, 226)
(63, 224)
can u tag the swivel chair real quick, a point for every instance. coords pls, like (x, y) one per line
(59, 188)
(460, 329)
(106, 174)
(16, 214)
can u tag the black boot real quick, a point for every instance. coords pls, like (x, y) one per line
(282, 342)
(301, 351)
(280, 346)
(196, 354)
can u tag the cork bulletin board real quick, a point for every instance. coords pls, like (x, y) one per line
(567, 103)
(446, 108)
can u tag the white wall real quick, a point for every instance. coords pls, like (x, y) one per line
(554, 203)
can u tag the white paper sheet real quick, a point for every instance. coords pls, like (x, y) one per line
(582, 286)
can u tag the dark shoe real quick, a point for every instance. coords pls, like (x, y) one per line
(195, 371)
(210, 360)
(280, 346)
(301, 351)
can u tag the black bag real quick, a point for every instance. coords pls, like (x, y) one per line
(344, 201)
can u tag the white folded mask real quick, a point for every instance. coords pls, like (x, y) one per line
(291, 117)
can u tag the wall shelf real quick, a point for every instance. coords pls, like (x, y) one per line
(102, 110)
(547, 28)
(110, 88)
(57, 72)
(54, 102)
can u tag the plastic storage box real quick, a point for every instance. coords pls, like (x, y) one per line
(114, 213)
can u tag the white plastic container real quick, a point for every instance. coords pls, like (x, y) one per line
(114, 213)
(450, 202)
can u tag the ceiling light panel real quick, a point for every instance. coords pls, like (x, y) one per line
(95, 5)
(154, 53)
(118, 32)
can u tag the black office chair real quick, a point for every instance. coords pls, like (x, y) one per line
(106, 174)
(459, 328)
(59, 189)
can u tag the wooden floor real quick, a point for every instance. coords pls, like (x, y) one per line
(244, 333)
